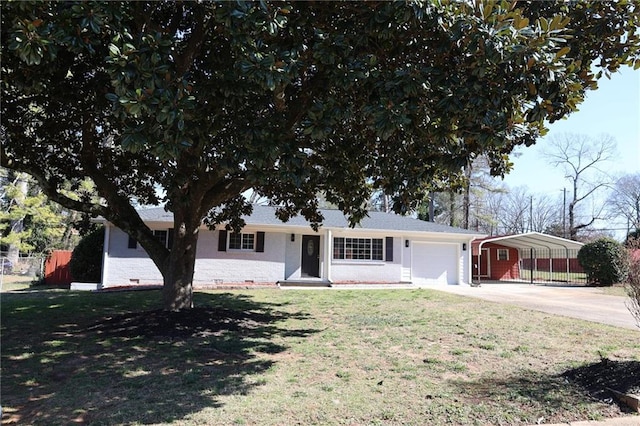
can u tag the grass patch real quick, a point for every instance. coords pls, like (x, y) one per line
(615, 290)
(273, 357)
(557, 276)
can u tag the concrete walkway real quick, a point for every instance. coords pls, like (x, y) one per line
(587, 303)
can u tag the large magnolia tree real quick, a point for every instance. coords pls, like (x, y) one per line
(204, 100)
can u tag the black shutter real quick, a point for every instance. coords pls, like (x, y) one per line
(388, 249)
(260, 242)
(222, 240)
(132, 244)
(170, 238)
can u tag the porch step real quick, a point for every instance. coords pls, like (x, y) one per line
(303, 283)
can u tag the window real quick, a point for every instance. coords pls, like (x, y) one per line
(161, 236)
(358, 248)
(132, 243)
(241, 241)
(503, 254)
(165, 236)
(247, 242)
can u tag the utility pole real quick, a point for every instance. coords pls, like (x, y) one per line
(530, 213)
(564, 214)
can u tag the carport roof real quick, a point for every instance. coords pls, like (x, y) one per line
(532, 240)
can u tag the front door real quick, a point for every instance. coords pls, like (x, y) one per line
(311, 256)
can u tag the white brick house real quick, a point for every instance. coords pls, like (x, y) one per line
(384, 248)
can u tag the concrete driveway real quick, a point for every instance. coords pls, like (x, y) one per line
(587, 303)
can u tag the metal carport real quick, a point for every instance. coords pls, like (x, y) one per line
(539, 246)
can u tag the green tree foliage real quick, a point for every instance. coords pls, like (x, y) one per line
(33, 224)
(28, 221)
(604, 261)
(86, 259)
(208, 99)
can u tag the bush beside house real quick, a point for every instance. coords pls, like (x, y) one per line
(604, 261)
(86, 259)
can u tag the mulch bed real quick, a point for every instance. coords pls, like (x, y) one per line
(596, 379)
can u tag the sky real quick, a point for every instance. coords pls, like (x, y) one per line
(613, 109)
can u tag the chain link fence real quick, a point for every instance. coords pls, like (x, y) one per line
(21, 272)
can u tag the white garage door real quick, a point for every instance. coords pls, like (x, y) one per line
(434, 263)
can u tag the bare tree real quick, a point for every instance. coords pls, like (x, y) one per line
(624, 200)
(516, 210)
(544, 212)
(513, 212)
(489, 217)
(482, 188)
(582, 158)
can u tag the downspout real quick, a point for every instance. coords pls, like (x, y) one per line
(470, 258)
(479, 261)
(105, 256)
(328, 258)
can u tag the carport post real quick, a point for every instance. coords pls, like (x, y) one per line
(479, 262)
(531, 258)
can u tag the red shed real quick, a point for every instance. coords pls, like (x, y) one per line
(497, 262)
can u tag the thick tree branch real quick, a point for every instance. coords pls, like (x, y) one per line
(588, 193)
(185, 60)
(50, 188)
(119, 211)
(222, 191)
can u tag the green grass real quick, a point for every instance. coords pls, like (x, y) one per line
(16, 282)
(615, 290)
(558, 276)
(299, 357)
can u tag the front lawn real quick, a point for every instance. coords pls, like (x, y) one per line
(273, 357)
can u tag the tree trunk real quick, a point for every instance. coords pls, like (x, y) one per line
(467, 196)
(452, 208)
(17, 225)
(432, 209)
(180, 267)
(573, 232)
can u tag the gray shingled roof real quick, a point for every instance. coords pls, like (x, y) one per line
(265, 215)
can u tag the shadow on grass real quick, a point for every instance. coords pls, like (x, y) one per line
(559, 398)
(109, 359)
(598, 377)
